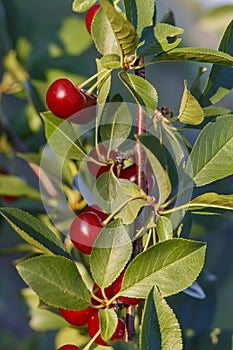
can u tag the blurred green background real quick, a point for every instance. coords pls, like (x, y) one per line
(51, 41)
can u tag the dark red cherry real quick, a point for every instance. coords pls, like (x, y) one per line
(84, 230)
(64, 99)
(69, 347)
(90, 15)
(77, 317)
(94, 326)
(95, 209)
(126, 300)
(109, 292)
(97, 169)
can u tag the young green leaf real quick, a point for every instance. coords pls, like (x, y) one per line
(142, 91)
(108, 323)
(103, 88)
(145, 14)
(56, 280)
(130, 211)
(110, 61)
(172, 265)
(220, 80)
(150, 337)
(194, 54)
(113, 244)
(164, 228)
(82, 5)
(116, 125)
(34, 231)
(11, 185)
(211, 157)
(155, 41)
(211, 201)
(103, 35)
(62, 137)
(124, 31)
(190, 109)
(170, 330)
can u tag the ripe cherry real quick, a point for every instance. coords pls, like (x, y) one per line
(130, 173)
(90, 15)
(96, 169)
(126, 300)
(77, 317)
(69, 347)
(84, 230)
(64, 99)
(95, 209)
(109, 292)
(94, 326)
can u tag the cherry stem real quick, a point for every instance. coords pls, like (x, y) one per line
(141, 182)
(84, 83)
(87, 347)
(105, 72)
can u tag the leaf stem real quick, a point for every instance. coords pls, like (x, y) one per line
(96, 84)
(87, 347)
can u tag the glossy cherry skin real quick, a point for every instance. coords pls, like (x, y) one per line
(109, 292)
(94, 326)
(126, 300)
(130, 173)
(77, 317)
(95, 209)
(90, 15)
(84, 230)
(69, 347)
(64, 99)
(95, 169)
(87, 114)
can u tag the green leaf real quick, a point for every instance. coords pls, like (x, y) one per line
(11, 185)
(215, 111)
(108, 323)
(111, 61)
(150, 338)
(34, 231)
(56, 280)
(103, 35)
(161, 177)
(124, 31)
(211, 157)
(171, 335)
(220, 81)
(163, 153)
(130, 211)
(212, 201)
(190, 110)
(82, 5)
(103, 88)
(164, 228)
(194, 54)
(145, 14)
(113, 244)
(196, 85)
(116, 125)
(142, 91)
(155, 41)
(172, 265)
(62, 137)
(41, 319)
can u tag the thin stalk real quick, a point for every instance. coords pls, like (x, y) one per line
(84, 83)
(141, 182)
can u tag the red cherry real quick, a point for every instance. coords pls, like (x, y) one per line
(90, 15)
(130, 173)
(109, 292)
(126, 300)
(69, 347)
(84, 230)
(77, 317)
(95, 209)
(94, 326)
(95, 169)
(64, 99)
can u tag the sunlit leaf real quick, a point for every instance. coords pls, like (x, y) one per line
(108, 323)
(56, 280)
(211, 157)
(82, 5)
(172, 265)
(190, 110)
